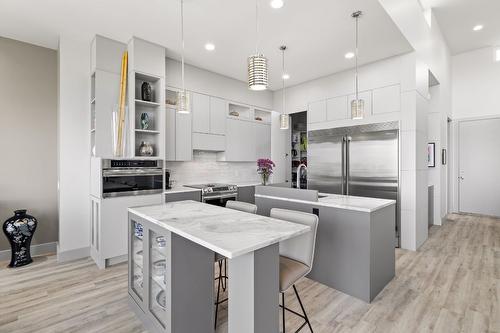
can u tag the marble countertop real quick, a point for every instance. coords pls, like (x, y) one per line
(360, 204)
(226, 231)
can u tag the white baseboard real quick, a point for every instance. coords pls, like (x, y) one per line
(36, 250)
(64, 256)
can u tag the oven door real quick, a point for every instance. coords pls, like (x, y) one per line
(117, 183)
(220, 200)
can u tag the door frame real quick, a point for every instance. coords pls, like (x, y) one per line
(456, 156)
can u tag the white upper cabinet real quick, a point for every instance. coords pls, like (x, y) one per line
(218, 113)
(200, 107)
(240, 141)
(316, 112)
(387, 99)
(365, 96)
(337, 108)
(183, 137)
(146, 57)
(263, 140)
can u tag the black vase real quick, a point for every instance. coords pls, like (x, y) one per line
(19, 229)
(146, 92)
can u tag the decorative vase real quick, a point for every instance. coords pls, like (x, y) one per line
(146, 92)
(265, 178)
(146, 149)
(19, 229)
(144, 121)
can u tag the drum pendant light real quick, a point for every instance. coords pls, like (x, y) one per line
(183, 96)
(284, 117)
(357, 105)
(257, 63)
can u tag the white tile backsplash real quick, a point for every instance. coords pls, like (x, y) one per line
(205, 168)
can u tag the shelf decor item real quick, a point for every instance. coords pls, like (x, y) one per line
(119, 148)
(146, 92)
(119, 138)
(257, 63)
(146, 149)
(265, 169)
(19, 230)
(144, 121)
(357, 105)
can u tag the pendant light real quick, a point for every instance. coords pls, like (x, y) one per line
(183, 96)
(257, 63)
(284, 117)
(357, 105)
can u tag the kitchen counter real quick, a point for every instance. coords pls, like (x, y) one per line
(228, 232)
(181, 189)
(191, 232)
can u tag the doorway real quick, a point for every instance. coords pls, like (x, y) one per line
(479, 166)
(298, 149)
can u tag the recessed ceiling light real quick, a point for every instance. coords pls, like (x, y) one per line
(209, 46)
(276, 4)
(478, 27)
(285, 76)
(349, 55)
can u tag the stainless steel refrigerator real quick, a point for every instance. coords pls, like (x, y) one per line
(360, 161)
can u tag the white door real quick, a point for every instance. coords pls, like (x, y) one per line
(479, 166)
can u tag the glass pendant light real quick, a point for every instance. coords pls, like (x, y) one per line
(183, 96)
(284, 117)
(357, 105)
(257, 63)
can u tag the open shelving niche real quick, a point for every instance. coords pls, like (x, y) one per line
(154, 110)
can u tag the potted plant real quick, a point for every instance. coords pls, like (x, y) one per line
(265, 169)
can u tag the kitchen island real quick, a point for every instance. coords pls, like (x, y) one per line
(355, 239)
(171, 266)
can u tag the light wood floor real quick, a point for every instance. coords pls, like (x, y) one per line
(452, 284)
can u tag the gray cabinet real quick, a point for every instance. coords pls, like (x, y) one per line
(263, 140)
(246, 194)
(178, 146)
(180, 196)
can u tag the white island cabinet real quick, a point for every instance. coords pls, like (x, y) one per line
(171, 266)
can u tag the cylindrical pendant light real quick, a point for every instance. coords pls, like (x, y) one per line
(257, 63)
(357, 105)
(183, 106)
(284, 117)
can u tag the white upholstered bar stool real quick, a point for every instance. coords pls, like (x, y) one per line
(296, 258)
(221, 260)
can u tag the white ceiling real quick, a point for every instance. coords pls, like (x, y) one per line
(317, 32)
(457, 18)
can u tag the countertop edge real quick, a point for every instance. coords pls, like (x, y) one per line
(323, 204)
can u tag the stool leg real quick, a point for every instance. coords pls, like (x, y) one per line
(302, 307)
(283, 311)
(218, 295)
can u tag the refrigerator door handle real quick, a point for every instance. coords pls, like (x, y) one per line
(344, 141)
(347, 162)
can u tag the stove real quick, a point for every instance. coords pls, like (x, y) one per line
(216, 193)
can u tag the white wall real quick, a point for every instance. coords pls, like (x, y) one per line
(28, 136)
(213, 84)
(74, 147)
(476, 84)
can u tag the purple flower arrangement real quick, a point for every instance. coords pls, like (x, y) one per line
(265, 169)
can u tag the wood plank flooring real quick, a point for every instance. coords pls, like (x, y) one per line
(452, 284)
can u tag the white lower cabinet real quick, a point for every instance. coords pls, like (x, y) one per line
(109, 229)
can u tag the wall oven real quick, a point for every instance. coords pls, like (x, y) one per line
(131, 177)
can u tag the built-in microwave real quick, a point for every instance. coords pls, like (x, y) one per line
(131, 177)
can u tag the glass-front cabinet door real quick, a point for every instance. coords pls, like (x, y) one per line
(158, 276)
(136, 279)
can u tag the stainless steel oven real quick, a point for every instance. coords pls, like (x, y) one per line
(131, 177)
(217, 194)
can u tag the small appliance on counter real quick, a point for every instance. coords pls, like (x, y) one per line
(217, 194)
(167, 180)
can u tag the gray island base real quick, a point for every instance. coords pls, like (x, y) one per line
(171, 266)
(355, 240)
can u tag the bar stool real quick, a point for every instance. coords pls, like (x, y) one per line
(296, 257)
(222, 261)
